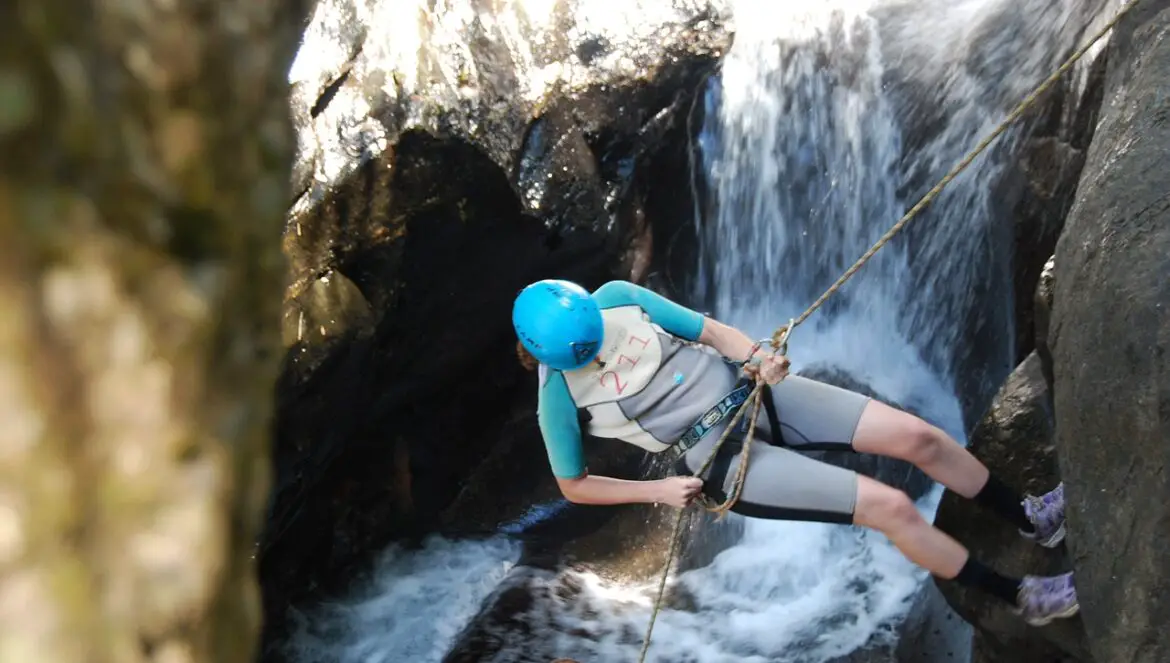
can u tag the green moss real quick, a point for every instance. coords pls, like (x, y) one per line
(18, 101)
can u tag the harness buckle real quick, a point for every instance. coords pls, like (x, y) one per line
(713, 417)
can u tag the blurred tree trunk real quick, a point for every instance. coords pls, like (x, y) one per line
(145, 158)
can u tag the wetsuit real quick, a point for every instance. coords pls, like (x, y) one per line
(656, 380)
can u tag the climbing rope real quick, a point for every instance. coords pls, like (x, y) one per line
(779, 340)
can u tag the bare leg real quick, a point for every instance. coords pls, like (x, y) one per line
(891, 512)
(886, 431)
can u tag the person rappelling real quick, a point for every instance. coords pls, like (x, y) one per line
(624, 362)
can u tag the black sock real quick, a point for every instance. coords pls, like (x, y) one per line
(1004, 501)
(974, 574)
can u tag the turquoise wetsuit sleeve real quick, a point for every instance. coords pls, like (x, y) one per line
(671, 316)
(557, 414)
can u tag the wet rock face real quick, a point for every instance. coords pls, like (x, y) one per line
(1109, 336)
(147, 152)
(438, 174)
(1046, 175)
(1015, 440)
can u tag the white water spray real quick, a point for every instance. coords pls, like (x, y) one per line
(415, 607)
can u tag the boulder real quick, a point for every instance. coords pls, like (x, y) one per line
(1109, 335)
(438, 174)
(1015, 440)
(147, 151)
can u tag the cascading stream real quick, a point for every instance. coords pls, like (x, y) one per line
(828, 120)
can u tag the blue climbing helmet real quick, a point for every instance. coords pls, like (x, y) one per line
(558, 323)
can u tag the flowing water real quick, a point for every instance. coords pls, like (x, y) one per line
(828, 120)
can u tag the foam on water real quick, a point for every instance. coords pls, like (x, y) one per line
(416, 605)
(795, 592)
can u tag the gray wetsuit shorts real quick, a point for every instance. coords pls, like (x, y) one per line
(781, 482)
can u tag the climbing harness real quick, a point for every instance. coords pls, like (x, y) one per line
(713, 417)
(779, 340)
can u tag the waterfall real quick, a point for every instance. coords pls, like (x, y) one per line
(801, 149)
(828, 120)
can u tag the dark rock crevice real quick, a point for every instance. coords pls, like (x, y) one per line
(329, 92)
(1047, 172)
(421, 396)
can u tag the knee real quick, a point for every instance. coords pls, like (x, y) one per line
(888, 510)
(922, 442)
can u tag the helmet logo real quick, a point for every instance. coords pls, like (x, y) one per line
(530, 341)
(583, 352)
